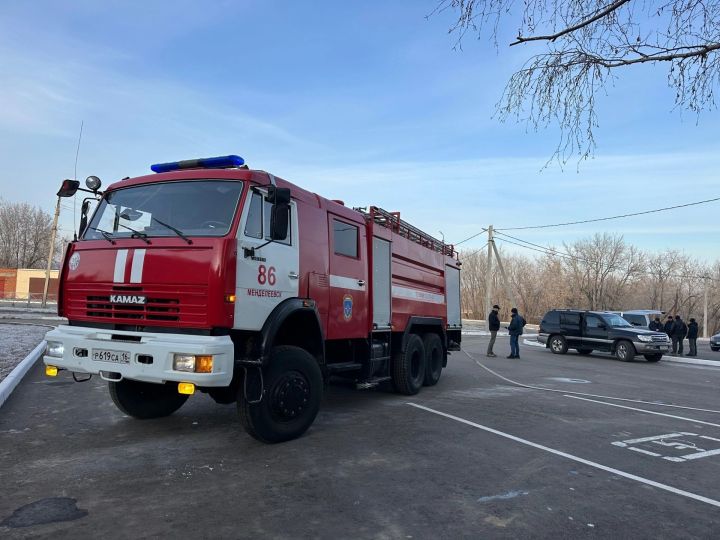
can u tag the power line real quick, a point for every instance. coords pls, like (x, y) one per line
(609, 217)
(470, 238)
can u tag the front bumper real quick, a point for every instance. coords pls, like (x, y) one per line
(542, 338)
(161, 347)
(650, 347)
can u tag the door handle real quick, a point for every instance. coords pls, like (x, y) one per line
(293, 275)
(361, 282)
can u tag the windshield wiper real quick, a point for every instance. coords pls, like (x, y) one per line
(136, 234)
(106, 235)
(173, 229)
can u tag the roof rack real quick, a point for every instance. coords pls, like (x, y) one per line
(392, 221)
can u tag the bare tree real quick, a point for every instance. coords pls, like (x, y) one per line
(585, 44)
(24, 234)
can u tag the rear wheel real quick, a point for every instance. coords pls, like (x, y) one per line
(558, 345)
(716, 349)
(408, 367)
(584, 351)
(146, 400)
(291, 396)
(625, 351)
(433, 359)
(653, 357)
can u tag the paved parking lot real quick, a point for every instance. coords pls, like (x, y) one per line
(481, 455)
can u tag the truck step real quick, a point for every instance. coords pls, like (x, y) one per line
(341, 367)
(372, 383)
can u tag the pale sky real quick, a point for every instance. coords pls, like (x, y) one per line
(365, 102)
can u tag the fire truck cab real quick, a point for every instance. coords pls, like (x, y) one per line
(209, 276)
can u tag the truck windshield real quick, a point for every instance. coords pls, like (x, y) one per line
(192, 208)
(616, 321)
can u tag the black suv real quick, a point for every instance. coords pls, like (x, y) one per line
(587, 331)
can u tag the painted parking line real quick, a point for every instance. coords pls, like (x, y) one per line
(673, 442)
(693, 420)
(572, 457)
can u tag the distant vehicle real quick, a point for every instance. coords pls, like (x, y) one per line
(640, 317)
(587, 331)
(715, 342)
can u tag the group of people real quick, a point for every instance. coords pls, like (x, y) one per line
(677, 330)
(515, 329)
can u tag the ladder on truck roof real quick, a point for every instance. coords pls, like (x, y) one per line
(392, 221)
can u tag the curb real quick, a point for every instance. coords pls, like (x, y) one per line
(8, 384)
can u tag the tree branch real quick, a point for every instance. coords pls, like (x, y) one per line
(570, 29)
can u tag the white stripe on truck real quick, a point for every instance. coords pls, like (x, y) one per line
(416, 294)
(120, 260)
(138, 262)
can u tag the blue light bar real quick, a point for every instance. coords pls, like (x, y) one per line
(220, 162)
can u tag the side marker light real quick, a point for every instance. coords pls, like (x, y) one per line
(51, 371)
(186, 388)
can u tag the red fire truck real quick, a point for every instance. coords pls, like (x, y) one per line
(209, 276)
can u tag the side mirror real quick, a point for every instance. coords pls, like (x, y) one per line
(68, 188)
(278, 195)
(279, 221)
(84, 216)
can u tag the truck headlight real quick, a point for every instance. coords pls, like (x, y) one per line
(193, 363)
(55, 348)
(645, 338)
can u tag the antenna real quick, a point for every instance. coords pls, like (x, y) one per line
(77, 153)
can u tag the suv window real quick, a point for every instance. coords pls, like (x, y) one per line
(570, 319)
(593, 321)
(551, 317)
(635, 320)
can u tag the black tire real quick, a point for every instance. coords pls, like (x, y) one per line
(146, 400)
(716, 349)
(293, 388)
(433, 359)
(558, 345)
(584, 352)
(625, 351)
(408, 368)
(653, 357)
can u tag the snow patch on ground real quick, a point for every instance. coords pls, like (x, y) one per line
(16, 342)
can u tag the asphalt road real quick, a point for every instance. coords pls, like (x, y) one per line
(484, 458)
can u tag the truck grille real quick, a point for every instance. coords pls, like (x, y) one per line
(660, 338)
(155, 309)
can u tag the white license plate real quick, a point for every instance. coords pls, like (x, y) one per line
(117, 357)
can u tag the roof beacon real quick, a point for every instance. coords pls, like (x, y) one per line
(220, 162)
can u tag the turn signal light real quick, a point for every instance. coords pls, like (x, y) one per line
(186, 388)
(51, 371)
(230, 298)
(203, 364)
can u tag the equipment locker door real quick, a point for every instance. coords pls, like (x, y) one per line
(381, 284)
(348, 313)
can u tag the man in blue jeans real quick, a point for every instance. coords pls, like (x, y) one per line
(515, 330)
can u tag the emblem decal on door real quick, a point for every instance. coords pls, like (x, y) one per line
(347, 307)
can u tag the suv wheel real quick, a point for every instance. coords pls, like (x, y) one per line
(625, 351)
(558, 345)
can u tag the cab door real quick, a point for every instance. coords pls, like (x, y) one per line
(348, 312)
(267, 272)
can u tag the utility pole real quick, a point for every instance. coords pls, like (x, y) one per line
(508, 289)
(488, 278)
(705, 330)
(51, 249)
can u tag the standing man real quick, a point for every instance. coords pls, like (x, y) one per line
(692, 337)
(656, 325)
(493, 326)
(679, 330)
(668, 328)
(515, 330)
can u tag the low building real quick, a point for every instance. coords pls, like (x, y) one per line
(27, 284)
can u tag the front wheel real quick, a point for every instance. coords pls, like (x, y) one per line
(146, 400)
(408, 367)
(625, 351)
(293, 387)
(558, 345)
(653, 357)
(433, 359)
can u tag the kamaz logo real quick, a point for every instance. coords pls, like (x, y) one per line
(127, 299)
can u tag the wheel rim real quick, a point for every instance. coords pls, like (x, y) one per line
(622, 351)
(290, 397)
(556, 345)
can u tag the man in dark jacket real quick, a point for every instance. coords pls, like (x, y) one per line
(692, 335)
(668, 328)
(515, 330)
(493, 326)
(656, 325)
(679, 330)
